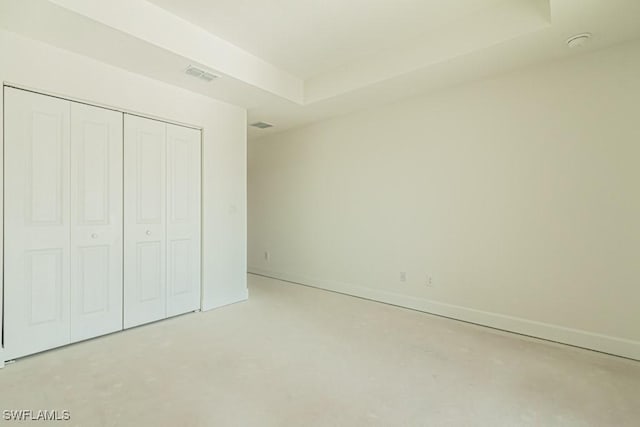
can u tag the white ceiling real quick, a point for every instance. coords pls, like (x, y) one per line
(310, 37)
(294, 62)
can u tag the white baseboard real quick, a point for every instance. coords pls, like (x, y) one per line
(576, 337)
(242, 295)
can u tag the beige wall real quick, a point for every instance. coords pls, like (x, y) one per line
(519, 196)
(39, 66)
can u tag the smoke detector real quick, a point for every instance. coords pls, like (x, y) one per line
(200, 74)
(261, 125)
(578, 40)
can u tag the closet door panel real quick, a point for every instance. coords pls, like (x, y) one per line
(145, 221)
(183, 219)
(96, 221)
(36, 223)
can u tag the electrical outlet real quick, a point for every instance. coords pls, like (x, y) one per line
(403, 276)
(428, 281)
(267, 256)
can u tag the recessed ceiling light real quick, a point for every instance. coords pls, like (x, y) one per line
(201, 74)
(261, 125)
(578, 40)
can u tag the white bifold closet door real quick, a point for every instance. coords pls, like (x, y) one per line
(36, 223)
(144, 220)
(96, 221)
(162, 220)
(183, 219)
(63, 192)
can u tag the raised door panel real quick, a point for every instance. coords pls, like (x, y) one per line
(183, 219)
(145, 221)
(36, 223)
(96, 221)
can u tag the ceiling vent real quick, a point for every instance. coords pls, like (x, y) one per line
(201, 74)
(261, 125)
(208, 77)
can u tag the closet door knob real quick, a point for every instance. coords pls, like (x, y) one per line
(148, 233)
(94, 236)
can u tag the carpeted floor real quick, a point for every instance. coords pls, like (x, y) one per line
(298, 356)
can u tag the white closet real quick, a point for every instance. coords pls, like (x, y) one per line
(74, 182)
